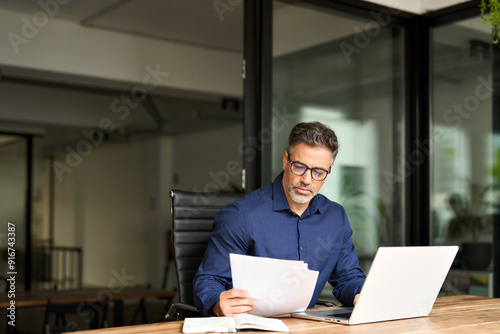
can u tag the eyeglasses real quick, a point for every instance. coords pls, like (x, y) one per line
(299, 169)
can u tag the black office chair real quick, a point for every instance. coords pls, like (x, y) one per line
(95, 314)
(192, 224)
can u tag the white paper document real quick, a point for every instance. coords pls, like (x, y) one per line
(279, 286)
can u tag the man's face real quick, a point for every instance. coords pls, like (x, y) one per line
(301, 189)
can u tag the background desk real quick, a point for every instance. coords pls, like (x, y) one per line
(116, 295)
(450, 315)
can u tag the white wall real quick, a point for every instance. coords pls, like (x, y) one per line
(114, 207)
(158, 166)
(105, 211)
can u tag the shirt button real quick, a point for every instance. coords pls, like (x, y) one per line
(301, 248)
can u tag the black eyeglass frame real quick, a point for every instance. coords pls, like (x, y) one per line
(307, 168)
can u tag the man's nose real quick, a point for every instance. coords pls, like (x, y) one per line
(306, 177)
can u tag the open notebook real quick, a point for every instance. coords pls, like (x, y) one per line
(233, 324)
(403, 282)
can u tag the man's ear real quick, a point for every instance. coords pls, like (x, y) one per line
(285, 159)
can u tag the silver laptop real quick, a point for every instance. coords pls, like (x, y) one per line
(403, 282)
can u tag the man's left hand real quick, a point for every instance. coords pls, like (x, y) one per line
(356, 299)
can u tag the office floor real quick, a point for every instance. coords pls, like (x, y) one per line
(30, 320)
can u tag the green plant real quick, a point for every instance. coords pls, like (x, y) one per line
(490, 15)
(496, 169)
(367, 215)
(471, 212)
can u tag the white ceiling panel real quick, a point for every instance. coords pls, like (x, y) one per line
(194, 22)
(189, 21)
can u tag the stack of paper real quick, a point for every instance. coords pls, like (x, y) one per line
(279, 286)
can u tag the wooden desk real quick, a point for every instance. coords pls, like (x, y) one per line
(116, 295)
(450, 315)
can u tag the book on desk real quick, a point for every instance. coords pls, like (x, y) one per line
(232, 324)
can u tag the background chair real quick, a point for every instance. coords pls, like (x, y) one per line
(192, 224)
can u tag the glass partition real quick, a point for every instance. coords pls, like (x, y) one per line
(464, 163)
(346, 72)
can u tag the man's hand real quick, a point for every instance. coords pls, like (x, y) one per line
(232, 302)
(356, 299)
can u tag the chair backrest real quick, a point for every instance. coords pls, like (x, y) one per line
(192, 223)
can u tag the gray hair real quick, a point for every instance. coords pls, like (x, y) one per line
(314, 134)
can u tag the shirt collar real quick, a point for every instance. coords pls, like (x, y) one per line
(280, 202)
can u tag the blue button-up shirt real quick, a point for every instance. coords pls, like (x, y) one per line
(262, 224)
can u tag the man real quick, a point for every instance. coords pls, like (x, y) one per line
(284, 220)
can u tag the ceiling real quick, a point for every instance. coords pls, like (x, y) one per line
(183, 21)
(190, 22)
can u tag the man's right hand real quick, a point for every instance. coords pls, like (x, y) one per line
(233, 302)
